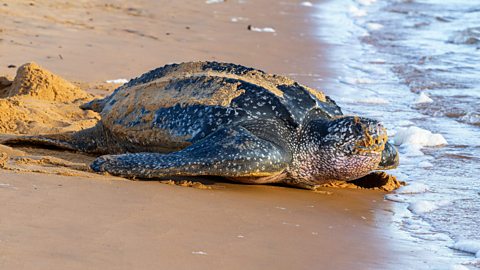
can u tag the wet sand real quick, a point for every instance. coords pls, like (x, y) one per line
(98, 222)
(59, 222)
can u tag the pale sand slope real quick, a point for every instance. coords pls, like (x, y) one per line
(60, 222)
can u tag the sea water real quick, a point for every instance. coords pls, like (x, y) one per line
(415, 65)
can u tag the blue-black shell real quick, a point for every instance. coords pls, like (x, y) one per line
(174, 106)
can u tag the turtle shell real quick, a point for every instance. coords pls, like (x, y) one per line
(176, 105)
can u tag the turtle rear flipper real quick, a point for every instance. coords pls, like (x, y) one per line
(234, 153)
(87, 140)
(95, 105)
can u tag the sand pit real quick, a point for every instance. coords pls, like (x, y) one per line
(38, 101)
(375, 180)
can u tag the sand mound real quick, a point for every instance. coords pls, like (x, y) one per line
(40, 83)
(38, 101)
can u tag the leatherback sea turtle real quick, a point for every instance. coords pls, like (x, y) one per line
(221, 119)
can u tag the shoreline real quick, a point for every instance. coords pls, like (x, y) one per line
(57, 222)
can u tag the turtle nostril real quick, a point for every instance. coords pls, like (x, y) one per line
(379, 126)
(380, 129)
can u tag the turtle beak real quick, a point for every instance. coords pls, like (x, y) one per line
(390, 158)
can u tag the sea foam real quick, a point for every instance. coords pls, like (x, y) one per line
(470, 246)
(422, 207)
(396, 198)
(418, 136)
(425, 164)
(459, 267)
(355, 11)
(374, 26)
(373, 100)
(423, 98)
(411, 150)
(366, 2)
(413, 188)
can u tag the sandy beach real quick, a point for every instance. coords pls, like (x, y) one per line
(55, 215)
(52, 222)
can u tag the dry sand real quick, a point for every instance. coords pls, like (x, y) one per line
(57, 215)
(38, 101)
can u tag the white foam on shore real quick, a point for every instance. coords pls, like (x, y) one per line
(458, 267)
(422, 207)
(306, 4)
(373, 100)
(355, 11)
(264, 29)
(405, 123)
(418, 136)
(391, 133)
(411, 150)
(378, 61)
(117, 81)
(355, 81)
(413, 188)
(423, 98)
(366, 2)
(396, 198)
(472, 118)
(374, 26)
(470, 246)
(425, 164)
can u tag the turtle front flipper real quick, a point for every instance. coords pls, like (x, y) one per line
(234, 153)
(88, 140)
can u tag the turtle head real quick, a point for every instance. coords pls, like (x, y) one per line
(342, 149)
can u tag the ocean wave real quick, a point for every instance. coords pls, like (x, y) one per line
(470, 246)
(413, 188)
(469, 36)
(423, 206)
